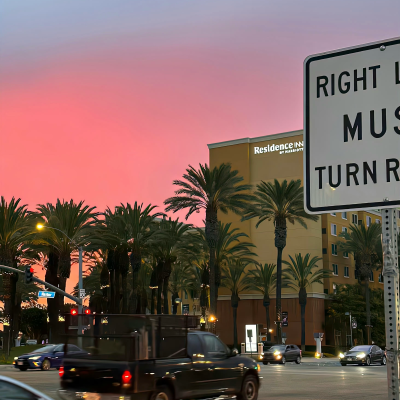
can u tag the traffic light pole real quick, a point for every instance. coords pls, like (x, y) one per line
(56, 289)
(391, 291)
(80, 308)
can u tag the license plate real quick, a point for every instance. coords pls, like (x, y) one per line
(20, 363)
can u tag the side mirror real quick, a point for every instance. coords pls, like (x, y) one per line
(234, 352)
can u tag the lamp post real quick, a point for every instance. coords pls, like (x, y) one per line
(80, 284)
(351, 330)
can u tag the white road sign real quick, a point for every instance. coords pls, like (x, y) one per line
(82, 293)
(352, 128)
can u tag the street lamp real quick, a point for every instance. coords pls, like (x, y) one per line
(80, 284)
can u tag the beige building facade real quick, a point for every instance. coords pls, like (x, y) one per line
(280, 157)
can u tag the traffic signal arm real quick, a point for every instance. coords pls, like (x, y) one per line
(54, 288)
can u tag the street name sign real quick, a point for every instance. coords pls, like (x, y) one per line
(352, 128)
(47, 295)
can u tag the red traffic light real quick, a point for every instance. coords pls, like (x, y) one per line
(74, 312)
(87, 311)
(31, 270)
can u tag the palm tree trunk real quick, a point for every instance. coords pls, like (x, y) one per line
(117, 292)
(53, 304)
(124, 284)
(235, 339)
(268, 323)
(303, 302)
(303, 327)
(136, 262)
(153, 301)
(10, 286)
(159, 291)
(112, 293)
(279, 296)
(211, 233)
(280, 243)
(165, 293)
(368, 309)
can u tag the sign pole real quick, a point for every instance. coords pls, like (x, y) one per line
(391, 288)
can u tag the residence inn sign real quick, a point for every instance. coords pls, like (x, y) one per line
(352, 128)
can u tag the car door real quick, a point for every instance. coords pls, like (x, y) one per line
(225, 370)
(200, 375)
(295, 352)
(57, 356)
(376, 355)
(288, 353)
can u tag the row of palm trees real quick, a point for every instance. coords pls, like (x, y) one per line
(134, 247)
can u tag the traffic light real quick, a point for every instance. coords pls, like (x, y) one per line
(87, 311)
(74, 311)
(28, 274)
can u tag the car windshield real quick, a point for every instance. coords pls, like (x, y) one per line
(44, 349)
(360, 348)
(280, 348)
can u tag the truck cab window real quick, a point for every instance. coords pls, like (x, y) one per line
(194, 347)
(214, 347)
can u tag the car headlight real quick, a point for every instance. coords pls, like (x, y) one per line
(277, 353)
(260, 356)
(15, 358)
(35, 358)
(341, 355)
(361, 355)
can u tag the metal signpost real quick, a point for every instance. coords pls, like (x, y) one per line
(351, 157)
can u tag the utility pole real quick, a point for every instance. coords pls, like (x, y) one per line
(80, 307)
(391, 289)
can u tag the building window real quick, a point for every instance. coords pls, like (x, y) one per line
(333, 229)
(334, 288)
(186, 295)
(380, 278)
(371, 276)
(335, 269)
(369, 221)
(333, 214)
(334, 249)
(324, 251)
(344, 215)
(346, 272)
(323, 231)
(354, 219)
(344, 229)
(377, 221)
(345, 254)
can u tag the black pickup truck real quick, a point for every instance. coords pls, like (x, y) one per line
(154, 357)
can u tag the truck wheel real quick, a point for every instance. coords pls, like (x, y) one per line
(162, 392)
(249, 389)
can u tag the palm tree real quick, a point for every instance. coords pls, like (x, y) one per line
(263, 279)
(280, 203)
(180, 282)
(231, 243)
(139, 222)
(16, 230)
(365, 244)
(72, 220)
(233, 279)
(217, 189)
(171, 241)
(300, 274)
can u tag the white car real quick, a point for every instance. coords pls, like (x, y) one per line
(11, 389)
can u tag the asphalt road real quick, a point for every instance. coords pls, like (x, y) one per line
(310, 380)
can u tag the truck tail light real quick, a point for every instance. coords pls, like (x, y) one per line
(126, 377)
(61, 372)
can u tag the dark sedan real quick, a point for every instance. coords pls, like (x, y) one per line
(44, 358)
(281, 354)
(363, 355)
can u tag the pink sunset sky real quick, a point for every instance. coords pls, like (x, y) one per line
(109, 101)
